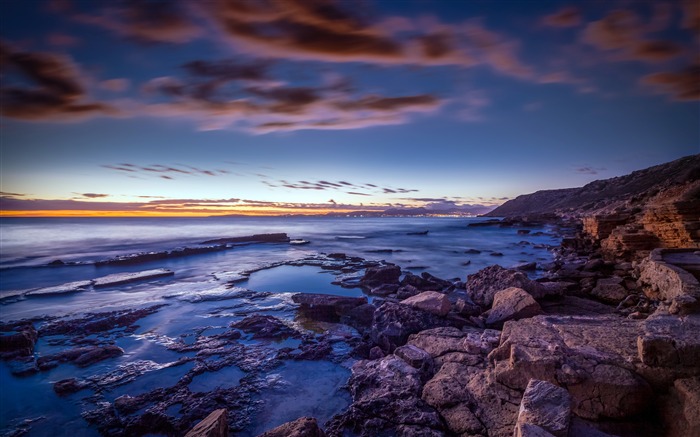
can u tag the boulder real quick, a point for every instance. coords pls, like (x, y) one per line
(360, 317)
(416, 358)
(430, 301)
(326, 307)
(594, 357)
(483, 285)
(386, 401)
(376, 276)
(302, 427)
(671, 342)
(682, 411)
(449, 344)
(393, 323)
(81, 356)
(214, 425)
(546, 406)
(610, 290)
(19, 344)
(512, 304)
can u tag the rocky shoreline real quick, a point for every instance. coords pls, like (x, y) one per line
(597, 345)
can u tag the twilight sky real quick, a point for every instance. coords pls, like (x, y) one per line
(275, 106)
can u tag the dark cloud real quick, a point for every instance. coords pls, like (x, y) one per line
(165, 171)
(58, 39)
(55, 91)
(229, 70)
(5, 193)
(355, 193)
(680, 85)
(437, 45)
(94, 195)
(656, 50)
(379, 103)
(691, 15)
(567, 17)
(589, 170)
(160, 21)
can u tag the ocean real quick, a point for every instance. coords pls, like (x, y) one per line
(204, 296)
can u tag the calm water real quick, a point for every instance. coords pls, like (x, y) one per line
(199, 301)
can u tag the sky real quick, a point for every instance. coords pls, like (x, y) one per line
(184, 107)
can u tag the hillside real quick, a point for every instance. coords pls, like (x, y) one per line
(627, 192)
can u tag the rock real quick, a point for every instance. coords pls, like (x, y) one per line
(70, 287)
(523, 231)
(264, 326)
(546, 406)
(393, 323)
(19, 344)
(512, 304)
(326, 307)
(81, 356)
(472, 251)
(214, 425)
(68, 386)
(483, 285)
(594, 357)
(450, 344)
(384, 289)
(376, 276)
(99, 322)
(669, 341)
(257, 238)
(416, 358)
(430, 301)
(124, 278)
(594, 265)
(406, 291)
(386, 401)
(609, 292)
(302, 427)
(359, 317)
(496, 254)
(681, 412)
(467, 309)
(527, 266)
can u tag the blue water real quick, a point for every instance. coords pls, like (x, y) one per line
(200, 301)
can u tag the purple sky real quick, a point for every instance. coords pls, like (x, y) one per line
(183, 105)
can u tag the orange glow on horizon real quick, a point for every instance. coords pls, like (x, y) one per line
(262, 212)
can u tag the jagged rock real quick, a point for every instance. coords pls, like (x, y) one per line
(81, 356)
(449, 344)
(264, 326)
(360, 317)
(376, 276)
(257, 238)
(610, 290)
(483, 285)
(214, 425)
(546, 406)
(669, 341)
(430, 301)
(384, 289)
(416, 357)
(406, 291)
(512, 304)
(326, 307)
(593, 357)
(386, 401)
(467, 309)
(302, 427)
(682, 411)
(67, 386)
(526, 266)
(393, 323)
(19, 344)
(664, 280)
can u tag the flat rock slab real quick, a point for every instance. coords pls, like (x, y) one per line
(595, 358)
(124, 278)
(431, 301)
(70, 287)
(513, 303)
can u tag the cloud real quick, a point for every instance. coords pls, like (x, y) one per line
(55, 91)
(681, 85)
(93, 195)
(691, 15)
(360, 189)
(589, 170)
(623, 32)
(168, 172)
(5, 193)
(115, 85)
(152, 21)
(496, 50)
(567, 17)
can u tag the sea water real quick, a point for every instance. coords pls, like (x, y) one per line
(196, 296)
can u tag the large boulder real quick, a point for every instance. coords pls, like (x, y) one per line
(19, 344)
(376, 276)
(610, 290)
(682, 410)
(469, 347)
(326, 307)
(431, 301)
(595, 358)
(386, 401)
(546, 406)
(393, 323)
(483, 285)
(512, 304)
(302, 427)
(214, 425)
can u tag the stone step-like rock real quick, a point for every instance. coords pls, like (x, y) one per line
(124, 278)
